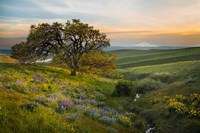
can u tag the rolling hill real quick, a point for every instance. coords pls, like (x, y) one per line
(134, 58)
(38, 98)
(179, 73)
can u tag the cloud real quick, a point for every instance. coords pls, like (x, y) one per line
(156, 38)
(160, 22)
(131, 14)
(13, 30)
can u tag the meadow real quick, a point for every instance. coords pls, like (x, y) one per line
(168, 108)
(45, 98)
(134, 58)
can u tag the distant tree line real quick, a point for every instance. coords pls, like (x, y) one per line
(75, 44)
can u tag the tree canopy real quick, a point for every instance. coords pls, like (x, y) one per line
(70, 42)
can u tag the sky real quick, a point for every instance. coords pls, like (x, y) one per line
(126, 22)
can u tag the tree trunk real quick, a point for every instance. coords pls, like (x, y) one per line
(73, 72)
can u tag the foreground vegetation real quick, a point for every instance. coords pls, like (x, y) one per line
(172, 107)
(169, 90)
(46, 99)
(38, 98)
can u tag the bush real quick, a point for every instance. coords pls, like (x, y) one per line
(72, 117)
(123, 88)
(29, 106)
(108, 111)
(65, 105)
(139, 123)
(124, 120)
(147, 84)
(99, 96)
(92, 113)
(164, 77)
(81, 96)
(90, 101)
(185, 105)
(107, 120)
(134, 76)
(42, 100)
(136, 109)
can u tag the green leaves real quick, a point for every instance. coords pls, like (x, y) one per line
(70, 42)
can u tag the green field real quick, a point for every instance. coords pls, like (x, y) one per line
(38, 98)
(174, 68)
(134, 58)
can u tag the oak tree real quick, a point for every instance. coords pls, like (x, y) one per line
(70, 42)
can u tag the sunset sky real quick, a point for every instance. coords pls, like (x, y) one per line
(126, 22)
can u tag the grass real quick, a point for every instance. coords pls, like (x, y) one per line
(6, 58)
(179, 69)
(134, 58)
(158, 112)
(30, 95)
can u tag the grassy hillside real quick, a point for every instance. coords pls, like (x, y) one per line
(168, 108)
(133, 58)
(47, 99)
(5, 58)
(36, 98)
(181, 70)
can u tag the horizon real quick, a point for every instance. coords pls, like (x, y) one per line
(126, 22)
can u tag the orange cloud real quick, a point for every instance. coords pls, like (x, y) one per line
(13, 30)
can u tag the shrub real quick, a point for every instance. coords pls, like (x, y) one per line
(81, 96)
(134, 76)
(179, 107)
(92, 102)
(78, 101)
(147, 84)
(94, 114)
(139, 123)
(65, 105)
(99, 96)
(108, 120)
(29, 106)
(72, 117)
(123, 88)
(163, 76)
(101, 104)
(185, 105)
(155, 100)
(108, 111)
(82, 107)
(149, 115)
(124, 120)
(136, 109)
(41, 100)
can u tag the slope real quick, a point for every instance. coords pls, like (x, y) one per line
(133, 58)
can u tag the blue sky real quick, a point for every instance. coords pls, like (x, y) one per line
(126, 22)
